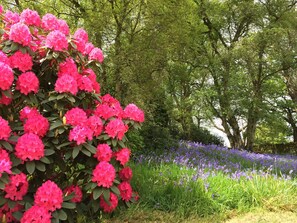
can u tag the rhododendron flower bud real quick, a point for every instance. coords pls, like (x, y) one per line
(49, 22)
(77, 193)
(57, 41)
(11, 17)
(29, 147)
(125, 174)
(104, 174)
(76, 116)
(22, 61)
(17, 187)
(134, 113)
(123, 155)
(96, 54)
(6, 212)
(113, 203)
(116, 128)
(49, 196)
(66, 83)
(6, 77)
(5, 129)
(4, 100)
(36, 214)
(80, 134)
(27, 82)
(5, 163)
(125, 191)
(30, 17)
(95, 124)
(103, 153)
(28, 112)
(20, 33)
(37, 124)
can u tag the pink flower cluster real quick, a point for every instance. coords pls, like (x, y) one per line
(17, 187)
(6, 212)
(125, 174)
(49, 196)
(116, 129)
(5, 130)
(27, 82)
(36, 214)
(123, 156)
(5, 162)
(6, 77)
(104, 153)
(104, 174)
(125, 191)
(29, 147)
(134, 113)
(113, 203)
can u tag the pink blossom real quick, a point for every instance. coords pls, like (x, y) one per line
(125, 174)
(85, 84)
(57, 41)
(29, 147)
(104, 174)
(5, 130)
(36, 214)
(81, 34)
(11, 17)
(63, 27)
(5, 163)
(4, 59)
(49, 195)
(88, 48)
(123, 155)
(104, 111)
(95, 123)
(22, 61)
(66, 83)
(37, 124)
(76, 116)
(28, 112)
(1, 9)
(125, 191)
(116, 129)
(27, 82)
(6, 77)
(30, 18)
(68, 67)
(103, 153)
(113, 203)
(134, 113)
(49, 22)
(96, 54)
(20, 33)
(17, 187)
(5, 100)
(80, 134)
(77, 193)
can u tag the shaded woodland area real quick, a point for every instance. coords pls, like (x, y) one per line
(193, 63)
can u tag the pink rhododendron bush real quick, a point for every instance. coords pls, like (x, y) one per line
(63, 149)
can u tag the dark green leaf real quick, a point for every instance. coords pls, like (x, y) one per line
(69, 197)
(122, 144)
(62, 215)
(115, 190)
(45, 160)
(2, 200)
(56, 124)
(68, 205)
(7, 146)
(30, 167)
(64, 144)
(106, 196)
(91, 148)
(18, 215)
(75, 151)
(49, 152)
(86, 152)
(40, 166)
(114, 142)
(97, 193)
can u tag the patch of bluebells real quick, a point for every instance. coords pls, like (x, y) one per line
(209, 160)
